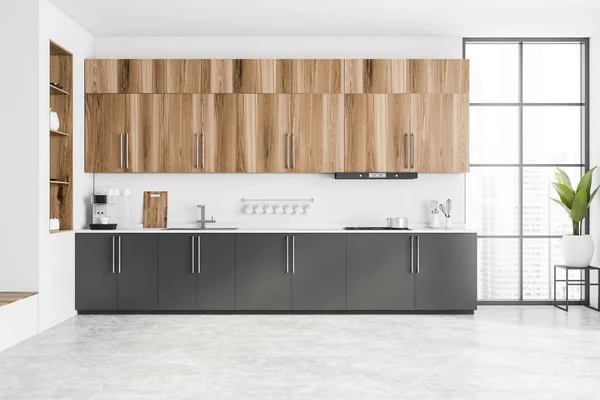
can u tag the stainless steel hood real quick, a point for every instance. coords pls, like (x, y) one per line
(376, 175)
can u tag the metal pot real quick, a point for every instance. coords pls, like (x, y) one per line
(397, 222)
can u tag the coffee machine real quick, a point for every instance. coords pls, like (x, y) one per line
(101, 213)
(112, 209)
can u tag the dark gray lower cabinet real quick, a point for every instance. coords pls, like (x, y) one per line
(263, 275)
(318, 272)
(446, 274)
(115, 272)
(379, 272)
(196, 272)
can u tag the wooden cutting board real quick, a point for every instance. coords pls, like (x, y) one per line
(155, 209)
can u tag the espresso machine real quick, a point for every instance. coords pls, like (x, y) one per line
(112, 209)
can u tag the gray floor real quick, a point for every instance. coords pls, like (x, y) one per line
(499, 353)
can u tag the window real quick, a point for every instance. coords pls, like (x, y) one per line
(528, 115)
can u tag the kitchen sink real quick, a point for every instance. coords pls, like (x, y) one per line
(200, 229)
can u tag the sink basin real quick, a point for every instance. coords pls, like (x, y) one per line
(200, 229)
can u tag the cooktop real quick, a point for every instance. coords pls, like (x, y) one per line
(373, 228)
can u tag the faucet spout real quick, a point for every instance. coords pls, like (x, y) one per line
(203, 221)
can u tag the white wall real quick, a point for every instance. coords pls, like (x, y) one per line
(57, 251)
(595, 139)
(337, 202)
(19, 160)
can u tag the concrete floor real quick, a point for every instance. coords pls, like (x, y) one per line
(498, 353)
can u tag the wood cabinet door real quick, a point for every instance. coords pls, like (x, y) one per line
(273, 130)
(144, 124)
(374, 76)
(104, 132)
(229, 125)
(106, 76)
(181, 141)
(309, 76)
(317, 133)
(376, 136)
(238, 76)
(181, 76)
(438, 76)
(440, 125)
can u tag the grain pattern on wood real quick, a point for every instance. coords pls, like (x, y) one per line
(374, 76)
(57, 50)
(231, 120)
(397, 131)
(155, 209)
(438, 76)
(61, 71)
(182, 76)
(104, 127)
(106, 76)
(317, 127)
(309, 76)
(238, 76)
(272, 132)
(182, 124)
(144, 126)
(440, 123)
(144, 76)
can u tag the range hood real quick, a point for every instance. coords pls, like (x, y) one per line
(376, 175)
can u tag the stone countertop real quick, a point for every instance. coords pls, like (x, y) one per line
(421, 230)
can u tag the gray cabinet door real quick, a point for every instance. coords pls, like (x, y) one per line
(215, 271)
(379, 272)
(177, 278)
(137, 278)
(319, 272)
(262, 281)
(95, 282)
(447, 273)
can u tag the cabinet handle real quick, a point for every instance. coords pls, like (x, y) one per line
(127, 150)
(293, 152)
(287, 151)
(199, 253)
(293, 254)
(119, 255)
(412, 158)
(197, 145)
(412, 254)
(113, 254)
(193, 252)
(406, 152)
(418, 257)
(121, 150)
(203, 152)
(287, 254)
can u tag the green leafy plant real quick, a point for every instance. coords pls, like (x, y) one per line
(575, 202)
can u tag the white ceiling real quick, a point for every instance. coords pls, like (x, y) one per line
(335, 17)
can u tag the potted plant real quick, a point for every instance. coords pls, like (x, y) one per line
(577, 249)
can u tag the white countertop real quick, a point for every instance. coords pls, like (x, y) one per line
(422, 230)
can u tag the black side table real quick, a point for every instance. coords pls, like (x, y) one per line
(582, 282)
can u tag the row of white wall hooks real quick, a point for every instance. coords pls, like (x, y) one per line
(277, 206)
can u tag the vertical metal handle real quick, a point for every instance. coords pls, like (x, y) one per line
(287, 151)
(121, 150)
(293, 254)
(203, 152)
(113, 254)
(412, 254)
(197, 145)
(119, 254)
(418, 257)
(412, 158)
(127, 150)
(193, 253)
(293, 145)
(287, 254)
(199, 254)
(406, 152)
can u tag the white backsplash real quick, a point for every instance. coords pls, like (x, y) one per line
(337, 202)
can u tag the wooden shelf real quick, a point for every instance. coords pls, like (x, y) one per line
(59, 183)
(59, 92)
(60, 231)
(11, 297)
(58, 50)
(58, 133)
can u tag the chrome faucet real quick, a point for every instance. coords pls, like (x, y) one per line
(203, 221)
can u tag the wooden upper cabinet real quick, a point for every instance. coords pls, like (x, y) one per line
(104, 133)
(229, 123)
(440, 124)
(375, 76)
(106, 76)
(181, 76)
(238, 76)
(273, 130)
(309, 76)
(438, 76)
(181, 140)
(144, 125)
(376, 138)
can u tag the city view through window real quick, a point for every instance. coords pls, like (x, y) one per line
(527, 115)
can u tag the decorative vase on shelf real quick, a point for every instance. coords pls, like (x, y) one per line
(54, 121)
(577, 249)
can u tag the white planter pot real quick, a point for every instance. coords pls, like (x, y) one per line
(577, 250)
(54, 122)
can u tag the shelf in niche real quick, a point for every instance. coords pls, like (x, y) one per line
(58, 92)
(58, 133)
